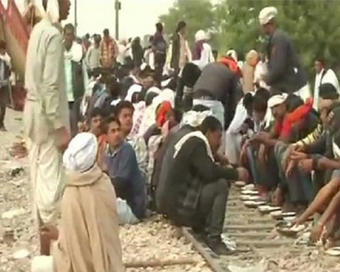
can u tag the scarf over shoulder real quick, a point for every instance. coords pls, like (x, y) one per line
(89, 240)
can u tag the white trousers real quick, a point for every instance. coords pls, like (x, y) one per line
(47, 178)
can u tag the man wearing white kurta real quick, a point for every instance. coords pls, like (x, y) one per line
(46, 114)
(323, 75)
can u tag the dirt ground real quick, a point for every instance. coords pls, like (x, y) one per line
(153, 240)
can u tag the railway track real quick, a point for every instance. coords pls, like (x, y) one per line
(259, 247)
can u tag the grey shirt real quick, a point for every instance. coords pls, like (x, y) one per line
(284, 69)
(92, 59)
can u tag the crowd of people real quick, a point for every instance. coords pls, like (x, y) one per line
(167, 130)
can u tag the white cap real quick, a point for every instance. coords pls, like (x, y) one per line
(276, 100)
(267, 14)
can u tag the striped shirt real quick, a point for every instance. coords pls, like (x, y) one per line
(312, 137)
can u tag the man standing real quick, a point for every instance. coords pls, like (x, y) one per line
(285, 73)
(108, 50)
(159, 49)
(180, 51)
(92, 59)
(5, 72)
(75, 74)
(46, 113)
(323, 75)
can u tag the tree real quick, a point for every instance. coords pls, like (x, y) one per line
(312, 25)
(198, 14)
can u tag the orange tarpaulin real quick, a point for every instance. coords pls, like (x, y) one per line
(15, 32)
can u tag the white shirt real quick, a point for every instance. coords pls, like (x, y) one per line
(329, 77)
(68, 77)
(206, 56)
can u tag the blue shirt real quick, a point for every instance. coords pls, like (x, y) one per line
(122, 165)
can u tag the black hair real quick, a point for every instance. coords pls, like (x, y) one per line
(248, 100)
(69, 27)
(293, 102)
(109, 120)
(44, 3)
(87, 36)
(3, 45)
(106, 31)
(262, 93)
(114, 86)
(210, 124)
(159, 27)
(151, 38)
(328, 91)
(190, 75)
(123, 105)
(321, 60)
(200, 108)
(180, 26)
(259, 104)
(97, 112)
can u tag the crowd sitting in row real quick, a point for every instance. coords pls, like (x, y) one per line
(175, 146)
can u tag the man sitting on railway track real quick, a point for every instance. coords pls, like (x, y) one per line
(293, 120)
(198, 190)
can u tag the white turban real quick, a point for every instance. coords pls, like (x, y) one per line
(233, 54)
(81, 153)
(276, 100)
(201, 36)
(195, 118)
(52, 10)
(267, 14)
(135, 88)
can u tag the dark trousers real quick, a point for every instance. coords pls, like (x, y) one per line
(159, 65)
(3, 104)
(298, 185)
(212, 207)
(75, 117)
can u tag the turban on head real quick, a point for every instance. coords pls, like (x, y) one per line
(195, 118)
(277, 99)
(267, 14)
(52, 10)
(81, 153)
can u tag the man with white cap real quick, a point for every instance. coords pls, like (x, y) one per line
(285, 73)
(46, 114)
(83, 230)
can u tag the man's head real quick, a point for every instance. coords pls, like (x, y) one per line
(106, 33)
(3, 47)
(212, 129)
(64, 8)
(259, 109)
(267, 19)
(69, 35)
(124, 112)
(96, 121)
(277, 103)
(319, 65)
(260, 104)
(113, 131)
(327, 94)
(113, 87)
(159, 27)
(247, 102)
(182, 28)
(96, 39)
